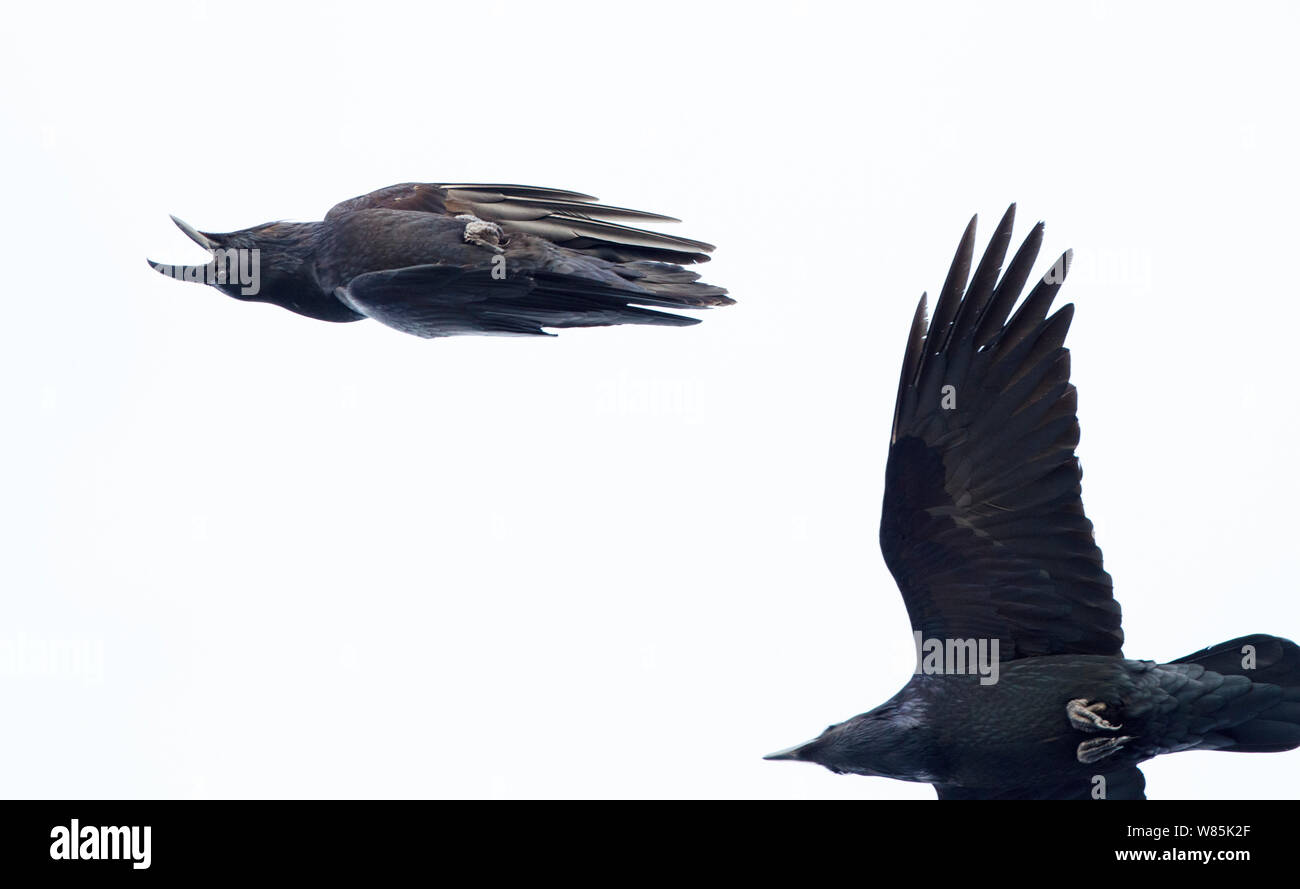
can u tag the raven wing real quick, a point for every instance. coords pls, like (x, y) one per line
(983, 527)
(438, 301)
(567, 218)
(1127, 783)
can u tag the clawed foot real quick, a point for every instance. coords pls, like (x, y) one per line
(1086, 718)
(1095, 749)
(485, 234)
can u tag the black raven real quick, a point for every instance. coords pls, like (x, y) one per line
(1021, 690)
(440, 260)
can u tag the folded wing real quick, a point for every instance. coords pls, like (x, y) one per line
(567, 218)
(438, 301)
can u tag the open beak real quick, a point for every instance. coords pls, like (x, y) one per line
(194, 234)
(185, 272)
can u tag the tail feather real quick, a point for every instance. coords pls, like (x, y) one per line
(1275, 660)
(573, 301)
(672, 282)
(1266, 719)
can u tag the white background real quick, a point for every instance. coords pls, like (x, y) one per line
(288, 558)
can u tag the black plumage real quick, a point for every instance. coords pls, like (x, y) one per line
(984, 531)
(441, 260)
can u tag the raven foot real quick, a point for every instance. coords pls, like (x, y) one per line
(1095, 749)
(485, 234)
(1086, 717)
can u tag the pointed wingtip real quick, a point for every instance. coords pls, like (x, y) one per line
(1063, 263)
(967, 244)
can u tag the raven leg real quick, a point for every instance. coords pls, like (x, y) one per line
(1095, 749)
(485, 234)
(1086, 717)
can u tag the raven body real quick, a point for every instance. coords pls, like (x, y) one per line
(442, 260)
(984, 531)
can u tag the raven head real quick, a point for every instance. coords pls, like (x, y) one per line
(890, 741)
(269, 263)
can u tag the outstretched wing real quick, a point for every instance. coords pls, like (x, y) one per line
(438, 301)
(567, 218)
(983, 526)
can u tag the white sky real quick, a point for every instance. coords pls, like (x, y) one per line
(302, 559)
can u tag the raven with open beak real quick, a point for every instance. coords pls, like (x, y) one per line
(442, 260)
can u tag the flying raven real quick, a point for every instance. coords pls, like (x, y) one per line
(441, 260)
(1021, 690)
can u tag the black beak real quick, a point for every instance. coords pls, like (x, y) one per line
(795, 752)
(194, 234)
(186, 272)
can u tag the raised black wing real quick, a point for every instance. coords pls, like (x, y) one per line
(567, 218)
(983, 526)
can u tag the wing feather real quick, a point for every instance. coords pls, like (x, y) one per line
(568, 218)
(983, 525)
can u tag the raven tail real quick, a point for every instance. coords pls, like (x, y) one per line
(1272, 665)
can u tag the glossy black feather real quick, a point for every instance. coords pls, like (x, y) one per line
(982, 506)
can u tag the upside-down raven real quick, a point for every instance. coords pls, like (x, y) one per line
(440, 260)
(1021, 690)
